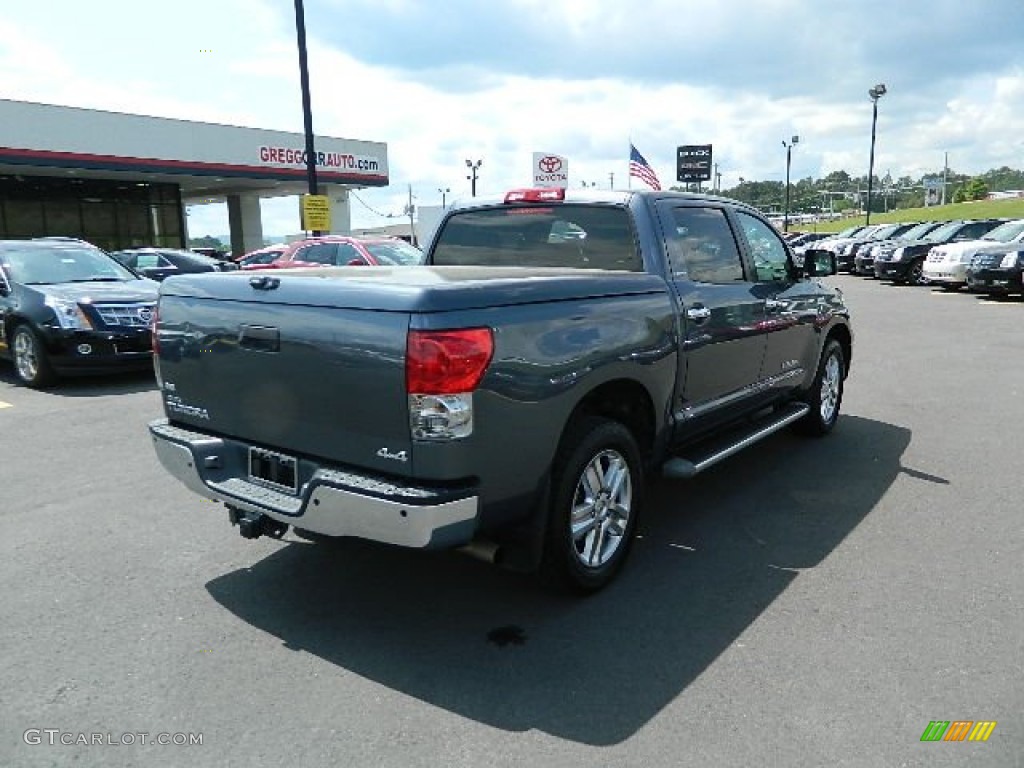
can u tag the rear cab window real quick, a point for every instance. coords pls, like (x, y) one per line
(582, 236)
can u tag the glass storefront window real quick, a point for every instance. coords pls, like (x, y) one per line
(23, 218)
(110, 214)
(62, 217)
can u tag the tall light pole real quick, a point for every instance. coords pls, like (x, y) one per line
(473, 167)
(307, 110)
(789, 152)
(444, 192)
(875, 93)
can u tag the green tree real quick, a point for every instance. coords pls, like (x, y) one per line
(975, 189)
(206, 241)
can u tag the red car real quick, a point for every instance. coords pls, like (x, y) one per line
(261, 257)
(339, 251)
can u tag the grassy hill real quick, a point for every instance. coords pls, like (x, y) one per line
(979, 209)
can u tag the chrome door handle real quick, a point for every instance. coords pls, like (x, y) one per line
(699, 314)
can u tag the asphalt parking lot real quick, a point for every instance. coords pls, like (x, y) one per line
(806, 603)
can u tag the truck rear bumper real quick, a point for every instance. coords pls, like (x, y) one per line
(330, 501)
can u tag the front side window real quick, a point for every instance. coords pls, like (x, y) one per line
(263, 258)
(321, 253)
(768, 252)
(703, 246)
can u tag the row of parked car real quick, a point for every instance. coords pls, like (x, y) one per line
(331, 250)
(68, 307)
(983, 255)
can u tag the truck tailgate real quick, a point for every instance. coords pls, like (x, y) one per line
(286, 372)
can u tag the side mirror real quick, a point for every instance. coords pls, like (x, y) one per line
(819, 263)
(4, 288)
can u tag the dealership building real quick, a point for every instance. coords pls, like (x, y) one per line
(122, 181)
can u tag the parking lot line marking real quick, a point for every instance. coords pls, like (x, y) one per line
(5, 405)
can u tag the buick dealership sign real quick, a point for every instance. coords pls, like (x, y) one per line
(550, 170)
(693, 162)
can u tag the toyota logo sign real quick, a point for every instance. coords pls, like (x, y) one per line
(550, 164)
(550, 170)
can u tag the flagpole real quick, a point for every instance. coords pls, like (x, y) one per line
(629, 176)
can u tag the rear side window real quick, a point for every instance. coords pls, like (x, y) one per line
(347, 253)
(703, 246)
(577, 236)
(151, 261)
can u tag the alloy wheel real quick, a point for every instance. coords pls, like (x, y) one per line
(26, 357)
(831, 381)
(601, 507)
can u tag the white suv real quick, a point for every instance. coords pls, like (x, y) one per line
(947, 264)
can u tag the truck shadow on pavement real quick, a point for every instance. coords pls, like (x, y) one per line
(496, 647)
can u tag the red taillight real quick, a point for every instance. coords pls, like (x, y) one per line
(447, 362)
(535, 195)
(154, 325)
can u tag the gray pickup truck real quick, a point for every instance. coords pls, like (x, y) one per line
(510, 397)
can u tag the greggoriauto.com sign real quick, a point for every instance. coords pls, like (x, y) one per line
(289, 156)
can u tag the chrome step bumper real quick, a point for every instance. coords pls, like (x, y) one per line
(332, 502)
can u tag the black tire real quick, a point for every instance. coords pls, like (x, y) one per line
(613, 509)
(915, 272)
(31, 362)
(825, 396)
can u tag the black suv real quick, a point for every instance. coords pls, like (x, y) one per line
(161, 263)
(67, 307)
(998, 273)
(859, 251)
(905, 263)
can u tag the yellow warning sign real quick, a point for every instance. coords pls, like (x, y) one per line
(316, 213)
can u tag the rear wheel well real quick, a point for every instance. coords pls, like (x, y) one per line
(625, 401)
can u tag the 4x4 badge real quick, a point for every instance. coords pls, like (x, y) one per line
(384, 453)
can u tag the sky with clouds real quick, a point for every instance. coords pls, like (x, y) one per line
(448, 80)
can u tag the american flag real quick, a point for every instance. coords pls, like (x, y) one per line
(642, 169)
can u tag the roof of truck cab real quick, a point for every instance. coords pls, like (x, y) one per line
(597, 196)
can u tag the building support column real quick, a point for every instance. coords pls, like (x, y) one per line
(341, 209)
(246, 223)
